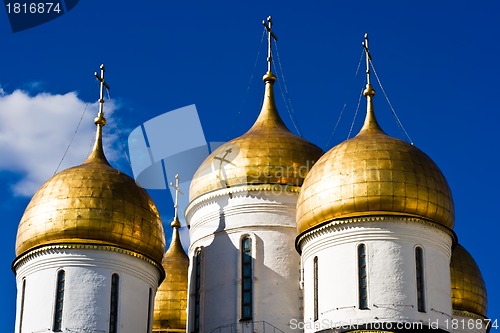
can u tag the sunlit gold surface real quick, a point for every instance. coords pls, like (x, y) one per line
(374, 173)
(468, 291)
(171, 297)
(92, 204)
(267, 154)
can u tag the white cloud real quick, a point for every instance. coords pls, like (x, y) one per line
(35, 132)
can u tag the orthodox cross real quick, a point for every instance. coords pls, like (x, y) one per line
(368, 58)
(270, 37)
(222, 160)
(177, 191)
(101, 94)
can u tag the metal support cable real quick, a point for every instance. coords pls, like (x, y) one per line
(72, 138)
(345, 103)
(390, 105)
(288, 105)
(356, 113)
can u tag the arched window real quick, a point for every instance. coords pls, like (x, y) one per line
(419, 262)
(21, 310)
(197, 290)
(315, 279)
(113, 307)
(150, 301)
(58, 307)
(362, 277)
(246, 278)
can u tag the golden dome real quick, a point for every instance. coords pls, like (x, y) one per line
(92, 203)
(171, 297)
(468, 291)
(374, 174)
(267, 154)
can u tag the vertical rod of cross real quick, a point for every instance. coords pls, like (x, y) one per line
(270, 36)
(100, 120)
(175, 222)
(368, 58)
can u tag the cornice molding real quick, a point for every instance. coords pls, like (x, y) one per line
(59, 249)
(343, 224)
(196, 203)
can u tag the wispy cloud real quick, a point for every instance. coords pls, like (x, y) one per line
(34, 86)
(35, 132)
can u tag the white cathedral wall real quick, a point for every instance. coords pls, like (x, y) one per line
(217, 226)
(391, 276)
(87, 293)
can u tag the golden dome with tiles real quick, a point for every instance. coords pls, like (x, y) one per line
(92, 203)
(374, 174)
(468, 291)
(171, 298)
(267, 154)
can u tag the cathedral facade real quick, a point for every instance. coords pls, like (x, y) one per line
(283, 238)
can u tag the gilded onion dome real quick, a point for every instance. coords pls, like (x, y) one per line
(374, 174)
(171, 298)
(268, 153)
(92, 204)
(468, 291)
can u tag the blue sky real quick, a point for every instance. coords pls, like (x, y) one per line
(436, 61)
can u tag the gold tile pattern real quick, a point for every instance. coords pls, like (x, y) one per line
(468, 291)
(267, 154)
(171, 297)
(374, 173)
(92, 203)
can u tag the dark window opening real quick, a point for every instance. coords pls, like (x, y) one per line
(315, 277)
(58, 308)
(246, 279)
(113, 309)
(197, 291)
(419, 260)
(362, 278)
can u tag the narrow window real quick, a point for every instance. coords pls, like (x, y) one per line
(315, 277)
(246, 279)
(21, 310)
(197, 290)
(419, 260)
(150, 300)
(58, 308)
(113, 308)
(362, 277)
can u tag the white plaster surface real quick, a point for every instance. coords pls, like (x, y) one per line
(392, 294)
(87, 291)
(217, 226)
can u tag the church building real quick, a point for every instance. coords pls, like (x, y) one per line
(283, 238)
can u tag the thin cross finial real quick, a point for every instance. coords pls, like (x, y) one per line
(369, 92)
(368, 58)
(176, 203)
(270, 36)
(104, 84)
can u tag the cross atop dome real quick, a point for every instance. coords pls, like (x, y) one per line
(368, 58)
(175, 223)
(100, 120)
(97, 153)
(369, 90)
(370, 120)
(270, 36)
